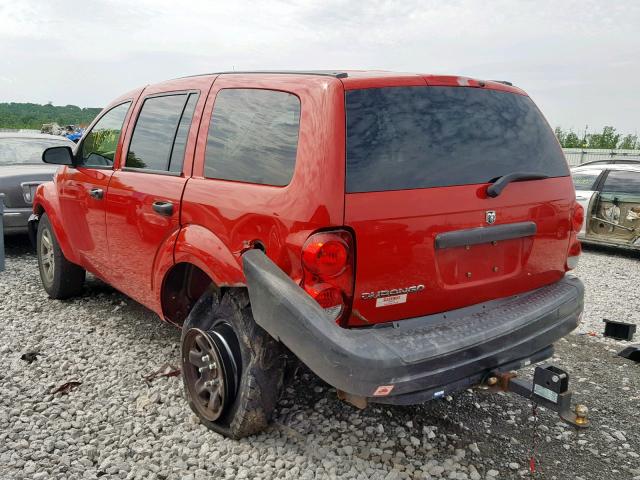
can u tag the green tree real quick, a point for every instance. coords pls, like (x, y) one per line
(568, 139)
(629, 142)
(33, 115)
(608, 139)
(572, 141)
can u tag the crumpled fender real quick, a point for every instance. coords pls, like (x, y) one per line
(46, 199)
(201, 247)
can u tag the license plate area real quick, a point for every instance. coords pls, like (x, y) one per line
(479, 263)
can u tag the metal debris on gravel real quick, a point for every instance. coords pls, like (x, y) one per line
(117, 425)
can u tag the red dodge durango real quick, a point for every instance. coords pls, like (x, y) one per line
(402, 235)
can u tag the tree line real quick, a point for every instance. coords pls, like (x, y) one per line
(607, 139)
(33, 115)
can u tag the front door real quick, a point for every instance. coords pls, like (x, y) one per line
(585, 182)
(143, 200)
(615, 212)
(83, 188)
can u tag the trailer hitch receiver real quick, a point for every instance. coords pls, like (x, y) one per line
(550, 389)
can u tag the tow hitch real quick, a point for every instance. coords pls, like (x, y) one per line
(550, 389)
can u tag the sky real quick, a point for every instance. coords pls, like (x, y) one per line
(579, 60)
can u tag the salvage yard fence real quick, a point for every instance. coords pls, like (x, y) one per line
(578, 156)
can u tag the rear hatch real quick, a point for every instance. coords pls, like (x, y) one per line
(419, 160)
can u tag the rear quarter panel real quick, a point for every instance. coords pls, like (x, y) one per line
(222, 218)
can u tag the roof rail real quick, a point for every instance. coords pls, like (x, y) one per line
(504, 82)
(620, 161)
(322, 73)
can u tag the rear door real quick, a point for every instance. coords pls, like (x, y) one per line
(143, 201)
(615, 216)
(419, 161)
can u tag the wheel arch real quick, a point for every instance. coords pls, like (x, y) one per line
(200, 261)
(46, 201)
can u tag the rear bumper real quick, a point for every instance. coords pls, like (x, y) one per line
(15, 219)
(420, 358)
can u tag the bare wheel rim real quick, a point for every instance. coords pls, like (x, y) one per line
(47, 259)
(204, 373)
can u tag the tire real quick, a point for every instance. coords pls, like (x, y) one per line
(60, 278)
(248, 372)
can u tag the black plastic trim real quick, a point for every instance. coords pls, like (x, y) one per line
(475, 236)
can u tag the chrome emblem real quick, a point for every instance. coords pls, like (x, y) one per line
(490, 216)
(393, 291)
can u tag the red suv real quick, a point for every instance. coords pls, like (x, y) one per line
(402, 235)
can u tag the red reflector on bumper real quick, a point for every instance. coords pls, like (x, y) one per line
(383, 390)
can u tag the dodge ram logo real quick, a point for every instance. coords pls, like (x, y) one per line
(490, 216)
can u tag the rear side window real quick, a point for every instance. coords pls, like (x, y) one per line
(585, 180)
(620, 181)
(420, 137)
(253, 136)
(159, 138)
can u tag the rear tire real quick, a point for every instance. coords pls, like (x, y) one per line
(60, 278)
(232, 369)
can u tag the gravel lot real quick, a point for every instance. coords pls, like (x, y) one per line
(117, 425)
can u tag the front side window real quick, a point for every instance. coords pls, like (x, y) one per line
(99, 145)
(585, 180)
(620, 181)
(253, 136)
(159, 138)
(400, 138)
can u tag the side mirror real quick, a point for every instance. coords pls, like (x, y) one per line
(58, 155)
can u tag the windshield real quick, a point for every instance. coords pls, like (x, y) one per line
(24, 151)
(401, 138)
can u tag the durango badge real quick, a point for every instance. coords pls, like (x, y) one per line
(490, 216)
(392, 292)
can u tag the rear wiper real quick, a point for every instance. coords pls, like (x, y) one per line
(496, 187)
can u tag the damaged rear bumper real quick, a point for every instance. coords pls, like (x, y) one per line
(416, 359)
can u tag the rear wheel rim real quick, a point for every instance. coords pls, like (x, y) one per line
(47, 258)
(206, 373)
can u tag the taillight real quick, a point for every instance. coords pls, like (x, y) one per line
(577, 218)
(575, 249)
(574, 254)
(327, 264)
(326, 257)
(329, 298)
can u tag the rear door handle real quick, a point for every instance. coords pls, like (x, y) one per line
(96, 193)
(163, 208)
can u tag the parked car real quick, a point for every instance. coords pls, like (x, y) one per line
(402, 235)
(21, 171)
(610, 196)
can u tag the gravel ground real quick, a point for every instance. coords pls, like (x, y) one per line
(117, 425)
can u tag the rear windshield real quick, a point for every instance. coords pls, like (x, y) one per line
(400, 138)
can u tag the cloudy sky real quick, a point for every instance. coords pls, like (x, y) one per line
(579, 60)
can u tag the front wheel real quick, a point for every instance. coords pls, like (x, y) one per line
(232, 369)
(60, 278)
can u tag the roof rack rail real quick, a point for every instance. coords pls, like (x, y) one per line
(322, 73)
(504, 82)
(619, 161)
